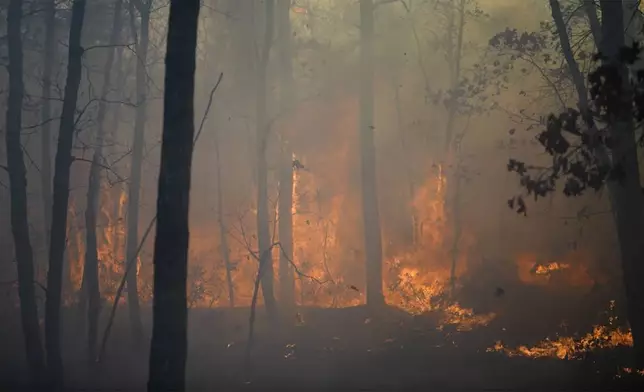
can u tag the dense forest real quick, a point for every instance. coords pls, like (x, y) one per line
(321, 194)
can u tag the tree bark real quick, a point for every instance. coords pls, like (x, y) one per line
(18, 194)
(628, 194)
(62, 169)
(370, 213)
(170, 313)
(263, 232)
(49, 56)
(90, 271)
(285, 219)
(132, 240)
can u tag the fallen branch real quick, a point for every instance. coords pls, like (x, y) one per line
(132, 261)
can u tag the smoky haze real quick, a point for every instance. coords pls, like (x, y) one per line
(464, 282)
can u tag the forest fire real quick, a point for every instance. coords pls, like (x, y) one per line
(567, 347)
(415, 281)
(110, 234)
(372, 194)
(608, 335)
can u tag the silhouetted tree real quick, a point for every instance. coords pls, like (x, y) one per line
(62, 169)
(132, 241)
(223, 231)
(18, 193)
(49, 56)
(452, 144)
(370, 213)
(170, 313)
(90, 271)
(262, 129)
(285, 220)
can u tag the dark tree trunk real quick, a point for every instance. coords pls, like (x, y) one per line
(263, 232)
(114, 142)
(18, 192)
(132, 240)
(49, 56)
(370, 212)
(62, 169)
(285, 219)
(628, 194)
(595, 27)
(90, 271)
(170, 313)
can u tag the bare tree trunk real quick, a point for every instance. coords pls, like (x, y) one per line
(90, 271)
(593, 21)
(285, 227)
(170, 313)
(49, 56)
(452, 146)
(68, 257)
(628, 195)
(263, 232)
(454, 60)
(370, 213)
(61, 197)
(114, 126)
(413, 224)
(285, 219)
(223, 240)
(18, 192)
(132, 240)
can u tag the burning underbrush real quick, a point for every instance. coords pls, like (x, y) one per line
(609, 335)
(571, 347)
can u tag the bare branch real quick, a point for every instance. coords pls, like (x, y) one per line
(212, 94)
(75, 159)
(107, 46)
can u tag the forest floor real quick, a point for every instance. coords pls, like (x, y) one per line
(331, 349)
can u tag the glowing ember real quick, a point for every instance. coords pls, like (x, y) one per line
(546, 269)
(573, 271)
(464, 318)
(638, 372)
